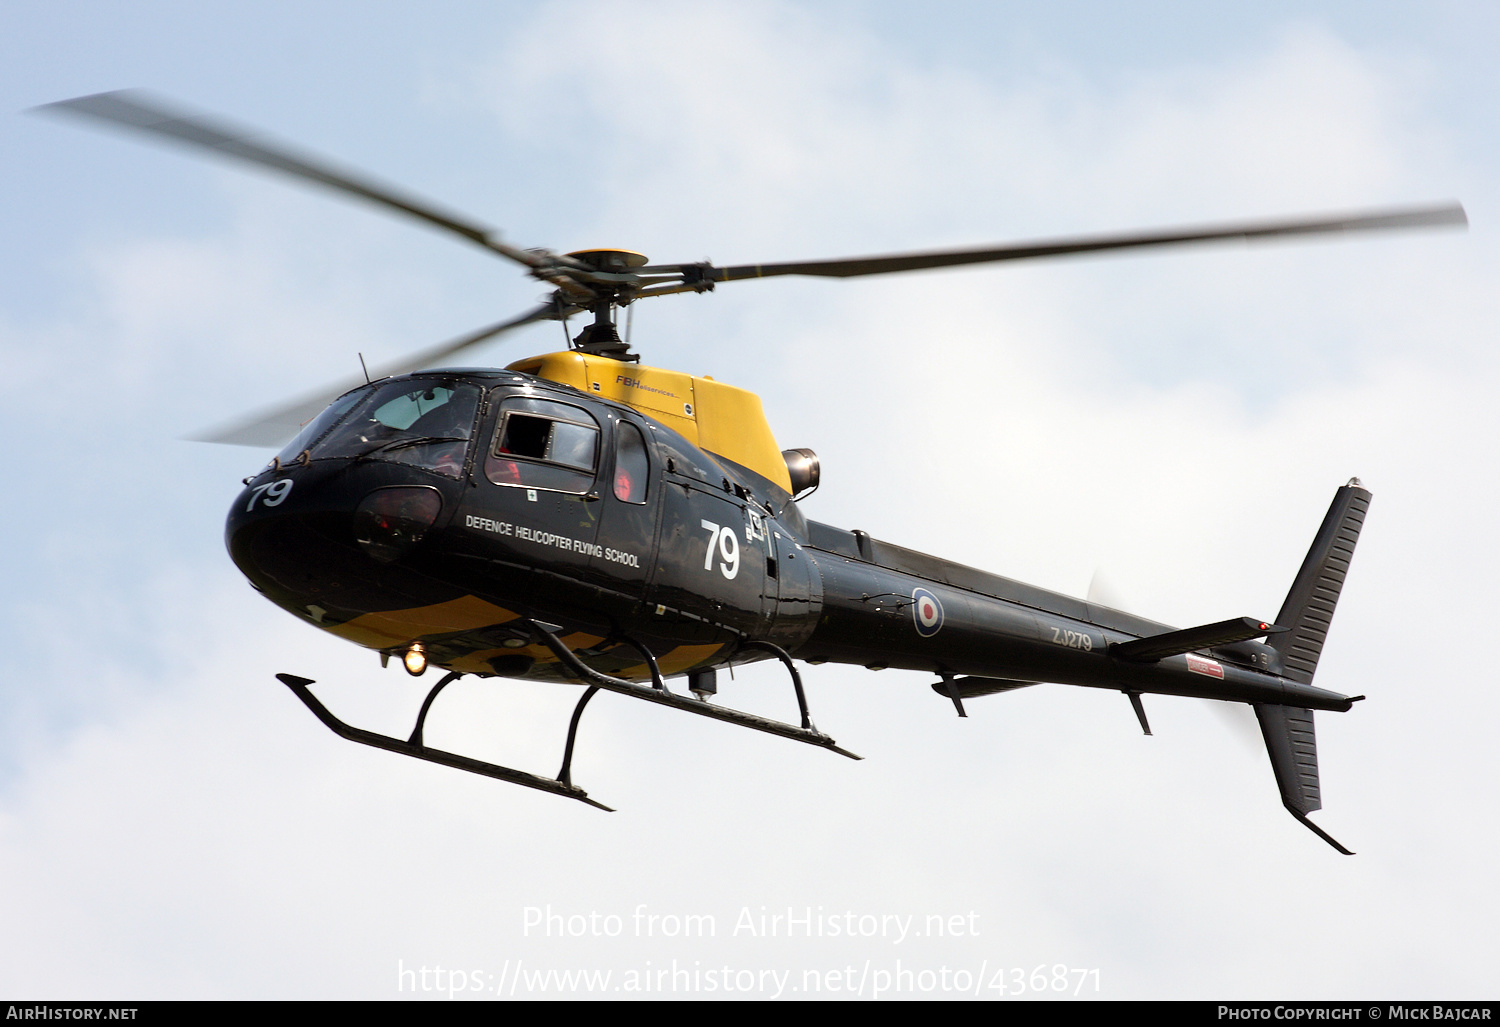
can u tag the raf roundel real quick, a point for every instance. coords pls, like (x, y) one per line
(927, 612)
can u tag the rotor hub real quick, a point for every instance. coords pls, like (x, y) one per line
(610, 260)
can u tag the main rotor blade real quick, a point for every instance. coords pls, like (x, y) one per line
(275, 426)
(1451, 214)
(134, 109)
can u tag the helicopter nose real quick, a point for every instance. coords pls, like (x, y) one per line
(329, 541)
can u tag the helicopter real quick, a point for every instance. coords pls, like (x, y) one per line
(581, 518)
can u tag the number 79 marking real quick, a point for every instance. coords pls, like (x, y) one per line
(727, 544)
(273, 491)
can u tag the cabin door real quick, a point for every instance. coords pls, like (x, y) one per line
(629, 501)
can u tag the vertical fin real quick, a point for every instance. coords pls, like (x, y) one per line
(1293, 747)
(1315, 592)
(1288, 730)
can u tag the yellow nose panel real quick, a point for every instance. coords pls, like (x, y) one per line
(401, 627)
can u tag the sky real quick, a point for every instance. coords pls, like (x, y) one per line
(174, 825)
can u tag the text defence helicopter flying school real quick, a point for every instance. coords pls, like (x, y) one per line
(577, 517)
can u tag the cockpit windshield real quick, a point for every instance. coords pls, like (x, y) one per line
(426, 423)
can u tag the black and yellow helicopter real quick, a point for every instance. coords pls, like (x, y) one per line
(578, 517)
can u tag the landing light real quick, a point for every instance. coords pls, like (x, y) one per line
(415, 660)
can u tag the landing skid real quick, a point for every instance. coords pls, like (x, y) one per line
(422, 752)
(656, 692)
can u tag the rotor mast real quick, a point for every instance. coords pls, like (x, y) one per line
(602, 338)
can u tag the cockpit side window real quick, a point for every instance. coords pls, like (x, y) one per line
(313, 431)
(542, 444)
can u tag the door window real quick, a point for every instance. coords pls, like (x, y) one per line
(541, 444)
(631, 464)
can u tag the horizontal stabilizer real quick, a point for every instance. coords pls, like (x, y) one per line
(1293, 748)
(1153, 648)
(970, 688)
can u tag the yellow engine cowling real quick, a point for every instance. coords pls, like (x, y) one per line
(719, 418)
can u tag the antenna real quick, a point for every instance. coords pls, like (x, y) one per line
(363, 368)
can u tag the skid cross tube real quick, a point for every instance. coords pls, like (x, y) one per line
(416, 732)
(786, 659)
(570, 660)
(378, 741)
(657, 681)
(565, 775)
